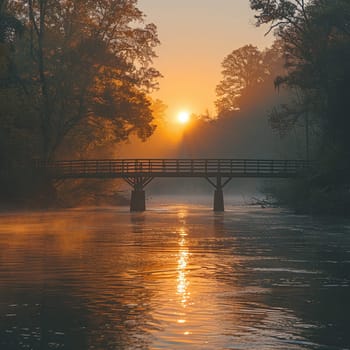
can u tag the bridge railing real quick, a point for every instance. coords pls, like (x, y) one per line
(172, 167)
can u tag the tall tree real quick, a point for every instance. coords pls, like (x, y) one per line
(244, 71)
(316, 40)
(10, 29)
(242, 68)
(90, 68)
(9, 24)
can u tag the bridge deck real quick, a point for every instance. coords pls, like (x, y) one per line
(151, 168)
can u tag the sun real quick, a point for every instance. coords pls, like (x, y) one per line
(183, 117)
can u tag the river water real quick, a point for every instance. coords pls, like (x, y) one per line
(175, 277)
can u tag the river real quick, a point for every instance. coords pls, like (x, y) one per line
(175, 277)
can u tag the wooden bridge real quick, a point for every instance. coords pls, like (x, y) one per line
(138, 173)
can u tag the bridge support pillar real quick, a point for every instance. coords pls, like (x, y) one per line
(138, 201)
(219, 200)
(138, 195)
(219, 205)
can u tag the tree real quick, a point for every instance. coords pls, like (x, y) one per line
(10, 29)
(316, 40)
(10, 26)
(242, 68)
(88, 65)
(245, 71)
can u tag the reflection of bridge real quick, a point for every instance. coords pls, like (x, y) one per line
(138, 173)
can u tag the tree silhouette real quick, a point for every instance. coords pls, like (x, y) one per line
(316, 41)
(89, 66)
(242, 68)
(245, 70)
(10, 26)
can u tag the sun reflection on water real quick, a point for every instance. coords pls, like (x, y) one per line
(182, 262)
(182, 280)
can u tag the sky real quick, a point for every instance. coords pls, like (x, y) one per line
(195, 37)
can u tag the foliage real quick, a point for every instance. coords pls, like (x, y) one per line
(10, 26)
(244, 71)
(316, 40)
(88, 66)
(242, 68)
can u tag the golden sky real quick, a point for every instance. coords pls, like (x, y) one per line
(195, 37)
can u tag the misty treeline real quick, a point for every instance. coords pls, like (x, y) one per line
(245, 95)
(300, 88)
(75, 76)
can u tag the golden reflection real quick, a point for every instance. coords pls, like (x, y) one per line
(182, 262)
(182, 215)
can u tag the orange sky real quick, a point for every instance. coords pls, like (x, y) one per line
(195, 37)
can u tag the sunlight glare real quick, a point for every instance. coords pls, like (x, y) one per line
(183, 117)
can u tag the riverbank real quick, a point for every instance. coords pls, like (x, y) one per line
(304, 197)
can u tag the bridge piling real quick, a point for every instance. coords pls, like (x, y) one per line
(138, 195)
(138, 200)
(219, 205)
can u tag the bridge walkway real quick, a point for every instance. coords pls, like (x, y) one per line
(138, 173)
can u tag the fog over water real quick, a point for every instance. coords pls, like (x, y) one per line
(175, 277)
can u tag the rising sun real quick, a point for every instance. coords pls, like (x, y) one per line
(183, 117)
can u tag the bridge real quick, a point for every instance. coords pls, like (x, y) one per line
(138, 173)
